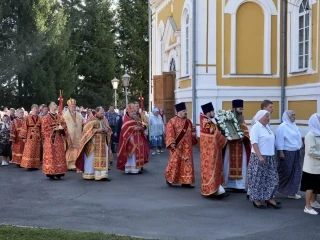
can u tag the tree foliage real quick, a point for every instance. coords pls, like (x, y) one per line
(77, 46)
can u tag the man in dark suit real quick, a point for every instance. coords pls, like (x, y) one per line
(118, 127)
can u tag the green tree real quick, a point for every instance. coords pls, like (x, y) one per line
(132, 45)
(96, 58)
(34, 46)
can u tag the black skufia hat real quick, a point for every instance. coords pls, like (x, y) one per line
(237, 103)
(180, 107)
(208, 107)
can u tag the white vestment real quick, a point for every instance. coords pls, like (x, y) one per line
(131, 166)
(235, 183)
(89, 172)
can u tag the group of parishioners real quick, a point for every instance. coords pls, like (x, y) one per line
(70, 143)
(249, 164)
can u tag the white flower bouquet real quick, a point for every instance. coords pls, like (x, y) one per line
(229, 125)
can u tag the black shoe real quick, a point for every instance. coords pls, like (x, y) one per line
(248, 196)
(111, 162)
(278, 202)
(58, 177)
(51, 178)
(169, 184)
(187, 186)
(258, 206)
(107, 179)
(272, 205)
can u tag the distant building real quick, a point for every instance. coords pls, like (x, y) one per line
(238, 54)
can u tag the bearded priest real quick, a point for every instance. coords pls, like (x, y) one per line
(211, 144)
(237, 154)
(55, 134)
(95, 152)
(180, 138)
(74, 123)
(133, 148)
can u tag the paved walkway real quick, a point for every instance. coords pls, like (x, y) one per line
(145, 206)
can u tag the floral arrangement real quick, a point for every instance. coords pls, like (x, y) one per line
(227, 122)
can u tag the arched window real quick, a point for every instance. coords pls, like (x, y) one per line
(304, 35)
(187, 45)
(172, 65)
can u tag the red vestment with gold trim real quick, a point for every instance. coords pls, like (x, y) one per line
(17, 142)
(236, 153)
(31, 132)
(211, 144)
(180, 168)
(54, 144)
(139, 145)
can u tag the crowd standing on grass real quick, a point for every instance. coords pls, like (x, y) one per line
(233, 158)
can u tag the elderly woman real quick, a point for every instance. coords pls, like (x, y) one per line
(262, 168)
(310, 182)
(156, 131)
(289, 143)
(5, 145)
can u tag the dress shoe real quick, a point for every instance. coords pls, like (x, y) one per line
(187, 186)
(169, 184)
(275, 206)
(258, 206)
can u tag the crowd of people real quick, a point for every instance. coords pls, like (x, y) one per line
(87, 141)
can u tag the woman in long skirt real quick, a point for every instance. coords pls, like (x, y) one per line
(310, 182)
(289, 143)
(262, 171)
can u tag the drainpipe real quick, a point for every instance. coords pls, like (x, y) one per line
(283, 55)
(150, 57)
(194, 91)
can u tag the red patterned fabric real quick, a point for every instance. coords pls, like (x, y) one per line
(127, 147)
(31, 132)
(211, 165)
(54, 145)
(17, 143)
(180, 168)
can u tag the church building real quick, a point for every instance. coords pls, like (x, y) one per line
(220, 50)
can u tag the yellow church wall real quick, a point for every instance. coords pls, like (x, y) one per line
(251, 108)
(250, 38)
(274, 45)
(185, 83)
(230, 81)
(189, 109)
(303, 109)
(302, 79)
(227, 42)
(177, 12)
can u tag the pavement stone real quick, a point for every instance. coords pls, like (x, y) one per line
(144, 206)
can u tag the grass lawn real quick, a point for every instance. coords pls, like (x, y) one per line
(24, 233)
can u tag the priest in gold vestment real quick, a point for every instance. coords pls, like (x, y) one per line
(74, 123)
(180, 138)
(95, 152)
(237, 154)
(211, 144)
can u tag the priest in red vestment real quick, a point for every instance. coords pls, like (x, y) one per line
(211, 144)
(237, 154)
(31, 136)
(133, 148)
(55, 135)
(17, 142)
(180, 138)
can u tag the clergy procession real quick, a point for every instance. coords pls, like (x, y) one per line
(232, 157)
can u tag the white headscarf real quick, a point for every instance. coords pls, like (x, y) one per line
(314, 124)
(286, 119)
(260, 114)
(155, 110)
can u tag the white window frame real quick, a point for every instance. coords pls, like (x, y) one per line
(185, 42)
(295, 68)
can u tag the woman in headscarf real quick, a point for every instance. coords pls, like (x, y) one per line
(156, 131)
(5, 145)
(262, 169)
(289, 143)
(310, 182)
